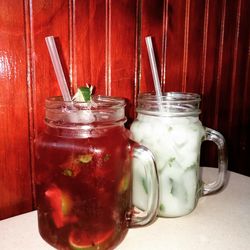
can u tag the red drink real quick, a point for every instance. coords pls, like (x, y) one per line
(83, 189)
(83, 178)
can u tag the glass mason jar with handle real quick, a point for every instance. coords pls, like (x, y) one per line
(170, 127)
(83, 175)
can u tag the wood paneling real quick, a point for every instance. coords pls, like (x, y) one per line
(238, 126)
(151, 12)
(15, 173)
(122, 52)
(47, 18)
(175, 45)
(200, 46)
(89, 43)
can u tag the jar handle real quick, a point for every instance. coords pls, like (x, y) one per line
(142, 218)
(218, 139)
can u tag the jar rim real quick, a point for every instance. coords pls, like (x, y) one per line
(99, 101)
(169, 104)
(101, 110)
(173, 97)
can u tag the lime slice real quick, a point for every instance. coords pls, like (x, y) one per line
(78, 97)
(82, 240)
(66, 204)
(83, 94)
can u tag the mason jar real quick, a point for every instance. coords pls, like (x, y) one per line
(170, 127)
(83, 175)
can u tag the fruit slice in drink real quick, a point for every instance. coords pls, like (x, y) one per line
(83, 240)
(61, 205)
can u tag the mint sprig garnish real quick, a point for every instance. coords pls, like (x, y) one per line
(83, 94)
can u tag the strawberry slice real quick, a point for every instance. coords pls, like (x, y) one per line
(61, 205)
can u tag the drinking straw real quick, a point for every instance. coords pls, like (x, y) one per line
(153, 66)
(50, 41)
(154, 70)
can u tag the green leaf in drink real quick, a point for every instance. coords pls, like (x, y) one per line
(84, 159)
(86, 93)
(161, 207)
(83, 94)
(145, 186)
(172, 185)
(170, 161)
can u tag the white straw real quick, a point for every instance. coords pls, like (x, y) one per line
(153, 66)
(50, 41)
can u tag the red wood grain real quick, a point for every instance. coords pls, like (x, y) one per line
(212, 62)
(47, 18)
(89, 44)
(122, 52)
(226, 83)
(195, 40)
(175, 49)
(151, 25)
(15, 174)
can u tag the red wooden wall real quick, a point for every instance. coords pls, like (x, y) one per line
(201, 46)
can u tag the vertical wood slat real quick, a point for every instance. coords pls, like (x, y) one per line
(175, 41)
(164, 45)
(220, 61)
(235, 85)
(195, 40)
(137, 55)
(234, 66)
(185, 46)
(122, 51)
(90, 44)
(30, 85)
(47, 18)
(72, 46)
(108, 48)
(204, 46)
(151, 25)
(15, 176)
(212, 52)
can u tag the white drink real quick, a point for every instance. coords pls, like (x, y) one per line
(175, 143)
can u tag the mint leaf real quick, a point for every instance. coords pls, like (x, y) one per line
(170, 161)
(83, 94)
(162, 208)
(86, 92)
(145, 186)
(172, 185)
